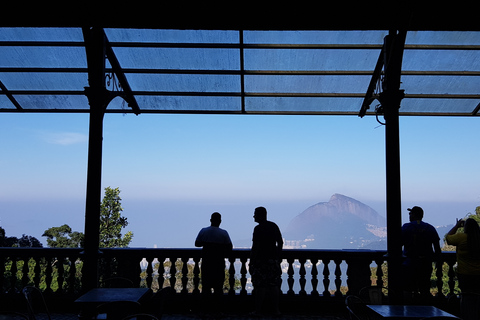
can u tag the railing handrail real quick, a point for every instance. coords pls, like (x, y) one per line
(298, 276)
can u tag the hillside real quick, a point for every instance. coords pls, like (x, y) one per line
(340, 223)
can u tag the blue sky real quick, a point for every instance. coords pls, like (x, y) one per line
(175, 170)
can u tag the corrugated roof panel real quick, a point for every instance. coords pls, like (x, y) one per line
(307, 105)
(178, 58)
(52, 102)
(306, 83)
(44, 80)
(172, 36)
(41, 34)
(440, 106)
(184, 82)
(325, 37)
(169, 103)
(324, 72)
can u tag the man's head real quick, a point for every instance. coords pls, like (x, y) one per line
(260, 214)
(416, 213)
(216, 219)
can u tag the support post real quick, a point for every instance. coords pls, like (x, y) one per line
(390, 99)
(97, 97)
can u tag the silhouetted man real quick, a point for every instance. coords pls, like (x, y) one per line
(421, 244)
(264, 264)
(216, 245)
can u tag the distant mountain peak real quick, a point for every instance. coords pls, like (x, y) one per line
(342, 220)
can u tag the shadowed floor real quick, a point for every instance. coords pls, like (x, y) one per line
(249, 317)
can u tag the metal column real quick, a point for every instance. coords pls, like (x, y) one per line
(96, 93)
(390, 99)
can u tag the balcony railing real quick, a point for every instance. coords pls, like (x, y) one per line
(326, 274)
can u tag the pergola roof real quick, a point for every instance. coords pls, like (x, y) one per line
(218, 69)
(242, 60)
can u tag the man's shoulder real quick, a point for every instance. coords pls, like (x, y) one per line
(429, 226)
(223, 231)
(416, 224)
(271, 223)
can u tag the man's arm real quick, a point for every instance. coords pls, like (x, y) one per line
(436, 248)
(198, 240)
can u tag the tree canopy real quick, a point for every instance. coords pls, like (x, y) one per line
(24, 241)
(112, 222)
(111, 225)
(63, 237)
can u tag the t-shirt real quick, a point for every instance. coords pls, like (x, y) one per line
(418, 238)
(267, 241)
(466, 264)
(215, 242)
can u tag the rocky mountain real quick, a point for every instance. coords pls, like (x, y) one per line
(340, 223)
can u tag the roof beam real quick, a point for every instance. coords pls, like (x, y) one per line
(178, 16)
(10, 96)
(369, 97)
(117, 69)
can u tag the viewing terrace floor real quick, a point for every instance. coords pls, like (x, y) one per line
(227, 316)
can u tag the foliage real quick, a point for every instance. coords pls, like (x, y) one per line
(475, 216)
(63, 237)
(24, 241)
(111, 224)
(111, 221)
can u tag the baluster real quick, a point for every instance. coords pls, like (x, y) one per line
(326, 277)
(25, 272)
(168, 273)
(13, 275)
(107, 262)
(290, 280)
(149, 273)
(72, 270)
(161, 273)
(231, 276)
(451, 277)
(173, 273)
(338, 278)
(37, 270)
(314, 274)
(243, 279)
(439, 274)
(48, 276)
(61, 274)
(184, 275)
(196, 275)
(379, 273)
(2, 271)
(302, 273)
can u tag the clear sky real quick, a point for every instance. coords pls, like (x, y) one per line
(175, 170)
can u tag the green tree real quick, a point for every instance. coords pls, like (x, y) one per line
(29, 241)
(111, 225)
(24, 241)
(112, 222)
(63, 237)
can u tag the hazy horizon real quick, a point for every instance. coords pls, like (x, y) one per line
(175, 170)
(172, 230)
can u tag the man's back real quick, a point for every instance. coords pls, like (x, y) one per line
(215, 242)
(267, 240)
(418, 239)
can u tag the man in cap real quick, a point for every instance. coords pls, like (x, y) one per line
(264, 266)
(421, 244)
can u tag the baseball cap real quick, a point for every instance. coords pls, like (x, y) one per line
(416, 210)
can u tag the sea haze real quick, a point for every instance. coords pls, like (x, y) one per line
(175, 223)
